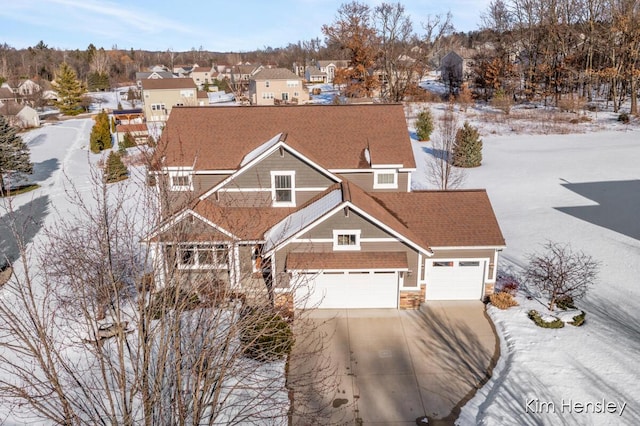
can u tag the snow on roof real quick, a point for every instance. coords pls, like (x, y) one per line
(301, 219)
(261, 149)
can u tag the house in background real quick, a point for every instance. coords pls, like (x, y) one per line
(152, 75)
(241, 74)
(202, 76)
(159, 96)
(315, 202)
(19, 115)
(277, 86)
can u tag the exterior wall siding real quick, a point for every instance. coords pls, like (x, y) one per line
(340, 221)
(365, 181)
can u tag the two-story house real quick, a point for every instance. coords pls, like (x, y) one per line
(316, 203)
(202, 76)
(159, 96)
(277, 85)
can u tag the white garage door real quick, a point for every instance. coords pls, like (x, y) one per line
(347, 290)
(455, 279)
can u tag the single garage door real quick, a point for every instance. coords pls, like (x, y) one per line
(455, 279)
(351, 289)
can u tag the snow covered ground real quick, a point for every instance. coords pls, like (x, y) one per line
(582, 189)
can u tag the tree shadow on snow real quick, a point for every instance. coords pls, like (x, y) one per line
(26, 221)
(44, 169)
(436, 153)
(617, 209)
(37, 141)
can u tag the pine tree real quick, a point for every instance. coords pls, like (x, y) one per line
(467, 149)
(100, 134)
(115, 169)
(14, 153)
(424, 125)
(70, 90)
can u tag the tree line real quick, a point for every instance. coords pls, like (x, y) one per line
(542, 50)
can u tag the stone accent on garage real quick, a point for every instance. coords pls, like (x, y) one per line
(284, 304)
(412, 299)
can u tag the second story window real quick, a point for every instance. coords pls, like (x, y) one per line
(346, 239)
(180, 181)
(283, 189)
(385, 179)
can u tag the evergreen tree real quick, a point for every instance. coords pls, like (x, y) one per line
(115, 170)
(14, 153)
(467, 149)
(100, 135)
(424, 125)
(70, 90)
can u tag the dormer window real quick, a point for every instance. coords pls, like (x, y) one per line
(385, 179)
(283, 188)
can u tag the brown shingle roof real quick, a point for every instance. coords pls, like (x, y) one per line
(346, 260)
(136, 127)
(275, 74)
(168, 83)
(335, 135)
(446, 218)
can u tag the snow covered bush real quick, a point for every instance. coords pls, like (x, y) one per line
(549, 322)
(578, 320)
(502, 300)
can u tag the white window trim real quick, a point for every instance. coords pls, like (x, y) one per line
(196, 262)
(176, 173)
(393, 185)
(291, 203)
(337, 232)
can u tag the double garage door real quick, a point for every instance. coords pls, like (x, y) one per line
(455, 279)
(350, 289)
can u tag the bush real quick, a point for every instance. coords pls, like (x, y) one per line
(266, 336)
(171, 298)
(624, 118)
(467, 148)
(115, 170)
(578, 320)
(511, 287)
(424, 125)
(565, 302)
(502, 300)
(128, 141)
(537, 319)
(502, 101)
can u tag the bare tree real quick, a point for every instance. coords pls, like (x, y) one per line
(440, 171)
(192, 352)
(560, 272)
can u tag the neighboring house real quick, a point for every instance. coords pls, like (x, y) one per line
(152, 75)
(6, 94)
(19, 115)
(277, 85)
(28, 87)
(139, 132)
(330, 67)
(160, 96)
(313, 75)
(202, 76)
(456, 68)
(241, 74)
(184, 70)
(316, 203)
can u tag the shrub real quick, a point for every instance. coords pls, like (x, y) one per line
(537, 319)
(565, 302)
(171, 298)
(502, 101)
(115, 170)
(511, 287)
(624, 118)
(578, 320)
(502, 300)
(467, 148)
(266, 336)
(424, 125)
(128, 141)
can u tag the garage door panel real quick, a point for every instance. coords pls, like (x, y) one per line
(457, 279)
(348, 290)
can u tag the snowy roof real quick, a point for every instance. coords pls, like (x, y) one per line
(261, 149)
(302, 218)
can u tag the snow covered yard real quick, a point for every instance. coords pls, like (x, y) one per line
(582, 189)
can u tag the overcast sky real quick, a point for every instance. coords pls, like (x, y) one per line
(181, 25)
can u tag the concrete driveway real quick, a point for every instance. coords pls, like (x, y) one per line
(383, 366)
